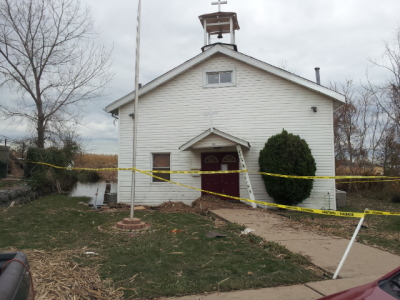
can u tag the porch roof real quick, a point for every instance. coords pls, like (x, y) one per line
(213, 138)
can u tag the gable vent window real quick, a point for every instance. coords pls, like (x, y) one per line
(219, 78)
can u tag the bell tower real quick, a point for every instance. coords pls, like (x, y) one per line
(219, 23)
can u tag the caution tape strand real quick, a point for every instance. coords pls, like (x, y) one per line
(222, 172)
(309, 210)
(295, 208)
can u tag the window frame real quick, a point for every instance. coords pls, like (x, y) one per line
(159, 169)
(213, 85)
(212, 162)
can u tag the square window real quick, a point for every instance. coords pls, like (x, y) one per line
(225, 77)
(161, 162)
(221, 78)
(213, 78)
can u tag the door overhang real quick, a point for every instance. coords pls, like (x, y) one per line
(213, 138)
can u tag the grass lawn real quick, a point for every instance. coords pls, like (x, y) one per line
(379, 231)
(158, 262)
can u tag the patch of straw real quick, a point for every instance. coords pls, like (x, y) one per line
(56, 276)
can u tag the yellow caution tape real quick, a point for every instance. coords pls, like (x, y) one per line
(195, 172)
(130, 169)
(309, 210)
(363, 181)
(382, 213)
(219, 172)
(85, 169)
(321, 177)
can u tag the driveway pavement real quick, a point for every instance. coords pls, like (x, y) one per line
(364, 264)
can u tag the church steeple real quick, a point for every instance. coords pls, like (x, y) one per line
(219, 23)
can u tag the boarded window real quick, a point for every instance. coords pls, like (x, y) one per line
(161, 162)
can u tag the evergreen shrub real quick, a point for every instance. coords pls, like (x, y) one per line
(47, 179)
(287, 154)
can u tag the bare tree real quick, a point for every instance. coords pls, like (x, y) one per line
(388, 153)
(361, 129)
(49, 58)
(387, 93)
(350, 127)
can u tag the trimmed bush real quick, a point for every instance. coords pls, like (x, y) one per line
(287, 154)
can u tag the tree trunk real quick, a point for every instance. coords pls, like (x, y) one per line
(40, 133)
(40, 124)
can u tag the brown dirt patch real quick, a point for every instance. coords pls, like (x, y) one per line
(202, 205)
(206, 203)
(172, 207)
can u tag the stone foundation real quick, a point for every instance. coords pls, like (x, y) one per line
(16, 196)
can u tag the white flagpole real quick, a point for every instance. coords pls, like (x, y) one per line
(135, 111)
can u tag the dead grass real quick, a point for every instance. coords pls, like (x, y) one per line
(56, 276)
(98, 161)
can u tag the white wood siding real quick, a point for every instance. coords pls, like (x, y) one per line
(213, 140)
(125, 139)
(259, 106)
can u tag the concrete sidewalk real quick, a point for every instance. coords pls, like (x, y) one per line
(363, 265)
(309, 291)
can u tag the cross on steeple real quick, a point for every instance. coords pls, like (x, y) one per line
(219, 2)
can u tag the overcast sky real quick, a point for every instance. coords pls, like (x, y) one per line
(339, 36)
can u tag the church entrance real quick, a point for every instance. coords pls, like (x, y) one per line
(227, 184)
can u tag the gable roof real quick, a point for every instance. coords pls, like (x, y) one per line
(223, 140)
(219, 48)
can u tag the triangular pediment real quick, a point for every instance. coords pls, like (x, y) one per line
(337, 98)
(213, 138)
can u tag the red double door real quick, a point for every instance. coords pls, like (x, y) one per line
(227, 184)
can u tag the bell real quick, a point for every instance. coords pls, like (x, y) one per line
(220, 35)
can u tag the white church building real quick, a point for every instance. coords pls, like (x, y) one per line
(215, 112)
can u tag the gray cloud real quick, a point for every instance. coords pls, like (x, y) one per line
(338, 36)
